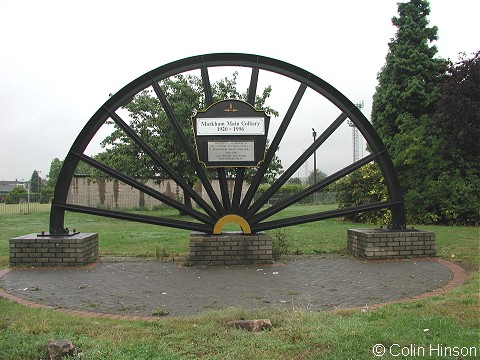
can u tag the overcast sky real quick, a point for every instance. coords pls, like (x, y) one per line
(59, 60)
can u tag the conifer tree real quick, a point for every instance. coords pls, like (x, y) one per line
(407, 82)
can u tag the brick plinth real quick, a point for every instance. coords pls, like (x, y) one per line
(33, 250)
(230, 249)
(379, 244)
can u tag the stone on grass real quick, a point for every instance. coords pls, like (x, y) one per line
(251, 325)
(60, 348)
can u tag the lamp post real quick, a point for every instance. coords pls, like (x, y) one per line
(39, 181)
(38, 186)
(314, 134)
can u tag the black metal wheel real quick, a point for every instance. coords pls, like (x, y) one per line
(247, 211)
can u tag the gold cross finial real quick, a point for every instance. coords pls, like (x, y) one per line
(230, 109)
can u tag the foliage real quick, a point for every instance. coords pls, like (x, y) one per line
(458, 127)
(35, 182)
(52, 177)
(459, 112)
(274, 170)
(325, 195)
(16, 195)
(450, 199)
(427, 113)
(285, 191)
(407, 82)
(85, 169)
(364, 186)
(46, 194)
(440, 193)
(294, 181)
(443, 191)
(318, 175)
(280, 244)
(150, 121)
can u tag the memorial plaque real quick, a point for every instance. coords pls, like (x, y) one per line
(231, 151)
(230, 133)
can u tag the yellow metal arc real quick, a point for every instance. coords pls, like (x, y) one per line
(227, 219)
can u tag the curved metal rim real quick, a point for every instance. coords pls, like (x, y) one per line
(226, 59)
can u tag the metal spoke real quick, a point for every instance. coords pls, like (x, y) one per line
(321, 216)
(311, 189)
(222, 180)
(272, 148)
(146, 189)
(207, 88)
(162, 164)
(188, 148)
(252, 89)
(295, 166)
(237, 191)
(137, 217)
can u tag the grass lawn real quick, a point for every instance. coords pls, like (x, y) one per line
(449, 320)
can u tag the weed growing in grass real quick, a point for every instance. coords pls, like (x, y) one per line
(280, 244)
(160, 312)
(187, 261)
(121, 307)
(91, 304)
(160, 252)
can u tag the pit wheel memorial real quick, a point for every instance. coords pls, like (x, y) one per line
(247, 212)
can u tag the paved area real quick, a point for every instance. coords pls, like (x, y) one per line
(143, 288)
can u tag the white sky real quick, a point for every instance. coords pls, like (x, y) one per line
(59, 60)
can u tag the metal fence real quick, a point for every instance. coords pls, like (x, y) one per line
(321, 198)
(24, 208)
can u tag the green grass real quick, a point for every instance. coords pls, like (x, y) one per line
(452, 319)
(122, 238)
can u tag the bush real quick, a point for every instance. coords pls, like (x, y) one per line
(17, 195)
(449, 199)
(326, 195)
(46, 195)
(443, 198)
(364, 186)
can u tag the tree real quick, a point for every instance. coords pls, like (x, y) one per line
(459, 112)
(35, 182)
(294, 181)
(437, 155)
(149, 120)
(428, 116)
(458, 128)
(319, 176)
(404, 104)
(407, 83)
(52, 177)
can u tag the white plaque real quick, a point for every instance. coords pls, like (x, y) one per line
(231, 151)
(231, 126)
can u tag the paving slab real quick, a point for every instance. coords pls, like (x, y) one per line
(143, 288)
